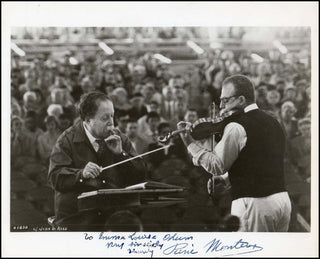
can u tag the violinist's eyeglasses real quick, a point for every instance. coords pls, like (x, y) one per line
(225, 100)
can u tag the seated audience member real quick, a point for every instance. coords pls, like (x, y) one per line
(41, 107)
(301, 99)
(176, 81)
(300, 148)
(280, 86)
(148, 92)
(108, 89)
(308, 109)
(157, 158)
(168, 105)
(77, 160)
(64, 121)
(287, 119)
(30, 81)
(138, 109)
(191, 116)
(142, 122)
(181, 110)
(32, 130)
(21, 143)
(55, 110)
(29, 102)
(122, 118)
(15, 109)
(137, 142)
(261, 97)
(120, 98)
(273, 99)
(180, 94)
(150, 135)
(234, 68)
(87, 85)
(59, 81)
(62, 96)
(289, 94)
(157, 96)
(48, 139)
(76, 91)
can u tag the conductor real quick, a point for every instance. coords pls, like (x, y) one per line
(80, 153)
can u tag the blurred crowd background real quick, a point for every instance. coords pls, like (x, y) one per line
(155, 78)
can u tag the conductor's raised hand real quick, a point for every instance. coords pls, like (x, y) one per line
(185, 136)
(114, 143)
(91, 170)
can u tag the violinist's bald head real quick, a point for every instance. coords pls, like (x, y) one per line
(242, 85)
(237, 92)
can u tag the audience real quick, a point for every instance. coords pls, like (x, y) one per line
(150, 97)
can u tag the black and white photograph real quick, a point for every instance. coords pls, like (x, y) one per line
(158, 138)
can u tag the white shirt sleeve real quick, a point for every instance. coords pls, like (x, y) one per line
(219, 161)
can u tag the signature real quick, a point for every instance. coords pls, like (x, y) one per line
(179, 248)
(240, 247)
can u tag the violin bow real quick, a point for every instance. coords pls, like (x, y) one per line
(132, 158)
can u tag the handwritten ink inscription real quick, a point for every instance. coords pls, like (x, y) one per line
(239, 247)
(170, 244)
(177, 248)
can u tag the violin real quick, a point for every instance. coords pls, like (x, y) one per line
(205, 127)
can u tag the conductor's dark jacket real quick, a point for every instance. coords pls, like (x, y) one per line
(69, 157)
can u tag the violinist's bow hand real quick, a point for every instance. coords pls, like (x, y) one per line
(185, 136)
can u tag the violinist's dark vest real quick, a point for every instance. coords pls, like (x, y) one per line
(258, 170)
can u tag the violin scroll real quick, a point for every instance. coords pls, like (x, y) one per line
(166, 138)
(203, 127)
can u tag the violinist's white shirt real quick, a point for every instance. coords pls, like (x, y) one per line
(219, 161)
(271, 213)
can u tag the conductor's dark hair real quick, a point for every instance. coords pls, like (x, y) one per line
(89, 104)
(242, 86)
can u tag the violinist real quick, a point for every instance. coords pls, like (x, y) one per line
(249, 157)
(78, 157)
